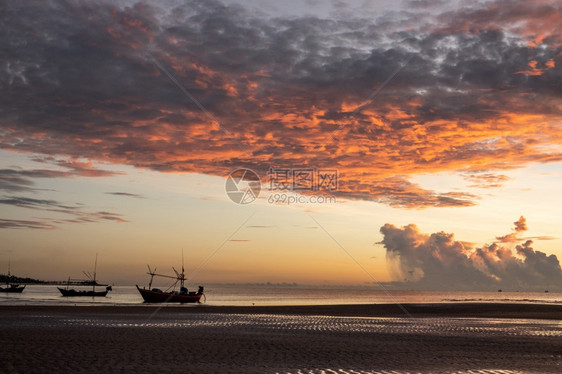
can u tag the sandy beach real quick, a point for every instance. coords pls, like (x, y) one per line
(437, 338)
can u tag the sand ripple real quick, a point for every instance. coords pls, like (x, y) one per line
(434, 326)
(242, 343)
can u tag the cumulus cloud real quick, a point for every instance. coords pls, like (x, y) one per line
(479, 90)
(438, 261)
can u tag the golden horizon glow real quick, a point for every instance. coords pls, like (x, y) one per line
(121, 123)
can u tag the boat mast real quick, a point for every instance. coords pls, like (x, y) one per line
(95, 268)
(152, 274)
(182, 270)
(179, 276)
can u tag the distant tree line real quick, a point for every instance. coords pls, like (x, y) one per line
(13, 279)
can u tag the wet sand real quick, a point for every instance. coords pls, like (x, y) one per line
(440, 338)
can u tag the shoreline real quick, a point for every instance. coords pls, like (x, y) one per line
(416, 310)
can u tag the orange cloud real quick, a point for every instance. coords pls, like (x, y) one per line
(533, 71)
(293, 99)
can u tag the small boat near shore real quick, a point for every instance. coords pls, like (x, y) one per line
(11, 287)
(156, 295)
(69, 292)
(94, 293)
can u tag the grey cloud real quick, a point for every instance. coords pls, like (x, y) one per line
(438, 261)
(22, 179)
(127, 194)
(25, 224)
(26, 202)
(14, 183)
(52, 206)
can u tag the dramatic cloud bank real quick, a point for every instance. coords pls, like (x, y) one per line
(438, 261)
(475, 90)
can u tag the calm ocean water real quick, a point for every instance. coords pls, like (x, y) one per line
(281, 295)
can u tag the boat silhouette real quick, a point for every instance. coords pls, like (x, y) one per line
(90, 281)
(10, 286)
(156, 295)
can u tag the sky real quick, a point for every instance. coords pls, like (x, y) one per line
(415, 144)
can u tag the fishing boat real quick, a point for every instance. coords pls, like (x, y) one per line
(72, 292)
(10, 286)
(90, 281)
(156, 295)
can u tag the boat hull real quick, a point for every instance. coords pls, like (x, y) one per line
(73, 292)
(150, 296)
(12, 289)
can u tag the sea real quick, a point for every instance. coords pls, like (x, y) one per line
(264, 295)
